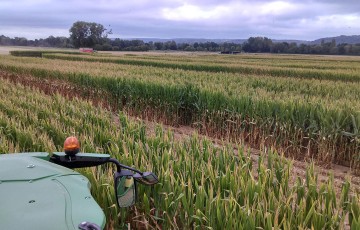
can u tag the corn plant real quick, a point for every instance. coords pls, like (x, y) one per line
(201, 185)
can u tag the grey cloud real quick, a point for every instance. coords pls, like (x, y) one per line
(144, 18)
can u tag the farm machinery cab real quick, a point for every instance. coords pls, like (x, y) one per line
(39, 191)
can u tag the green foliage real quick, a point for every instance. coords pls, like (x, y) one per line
(40, 53)
(257, 44)
(20, 53)
(87, 34)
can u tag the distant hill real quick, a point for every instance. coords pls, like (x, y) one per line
(190, 40)
(354, 39)
(204, 40)
(291, 41)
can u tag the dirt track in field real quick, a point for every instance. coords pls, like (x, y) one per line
(181, 133)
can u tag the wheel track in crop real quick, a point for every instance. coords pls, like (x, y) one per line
(299, 167)
(181, 133)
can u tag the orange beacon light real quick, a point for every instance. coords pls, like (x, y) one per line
(71, 146)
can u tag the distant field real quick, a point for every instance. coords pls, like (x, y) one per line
(6, 49)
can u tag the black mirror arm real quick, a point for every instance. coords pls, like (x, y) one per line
(79, 160)
(119, 166)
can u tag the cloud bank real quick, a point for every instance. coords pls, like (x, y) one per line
(284, 19)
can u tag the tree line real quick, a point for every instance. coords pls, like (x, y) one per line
(51, 41)
(265, 45)
(94, 35)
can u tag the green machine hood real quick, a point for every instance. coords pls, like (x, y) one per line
(37, 194)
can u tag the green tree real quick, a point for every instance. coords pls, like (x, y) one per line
(257, 44)
(158, 45)
(88, 34)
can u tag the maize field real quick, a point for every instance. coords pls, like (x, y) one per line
(307, 107)
(303, 107)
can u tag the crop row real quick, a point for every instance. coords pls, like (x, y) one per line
(326, 93)
(324, 129)
(286, 61)
(201, 186)
(39, 53)
(344, 75)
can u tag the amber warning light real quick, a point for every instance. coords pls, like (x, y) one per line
(71, 146)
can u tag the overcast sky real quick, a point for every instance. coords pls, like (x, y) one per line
(286, 19)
